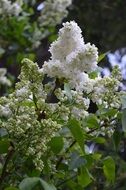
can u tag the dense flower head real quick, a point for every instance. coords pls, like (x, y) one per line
(105, 90)
(53, 12)
(70, 41)
(71, 58)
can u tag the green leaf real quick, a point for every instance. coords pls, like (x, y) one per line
(123, 101)
(31, 183)
(72, 185)
(93, 74)
(91, 121)
(124, 120)
(56, 144)
(4, 145)
(109, 168)
(109, 112)
(89, 160)
(76, 161)
(77, 132)
(99, 140)
(102, 56)
(116, 139)
(96, 156)
(47, 186)
(84, 179)
(34, 173)
(27, 103)
(11, 188)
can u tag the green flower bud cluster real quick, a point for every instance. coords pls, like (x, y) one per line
(23, 114)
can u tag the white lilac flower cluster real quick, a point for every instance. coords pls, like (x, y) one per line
(77, 106)
(35, 111)
(71, 58)
(9, 8)
(105, 90)
(74, 61)
(3, 79)
(53, 12)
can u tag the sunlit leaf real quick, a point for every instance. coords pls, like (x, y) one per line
(99, 140)
(85, 178)
(109, 168)
(102, 56)
(91, 121)
(56, 144)
(77, 132)
(11, 188)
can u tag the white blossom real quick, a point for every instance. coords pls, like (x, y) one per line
(5, 111)
(79, 113)
(53, 12)
(9, 8)
(105, 91)
(23, 93)
(3, 78)
(71, 58)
